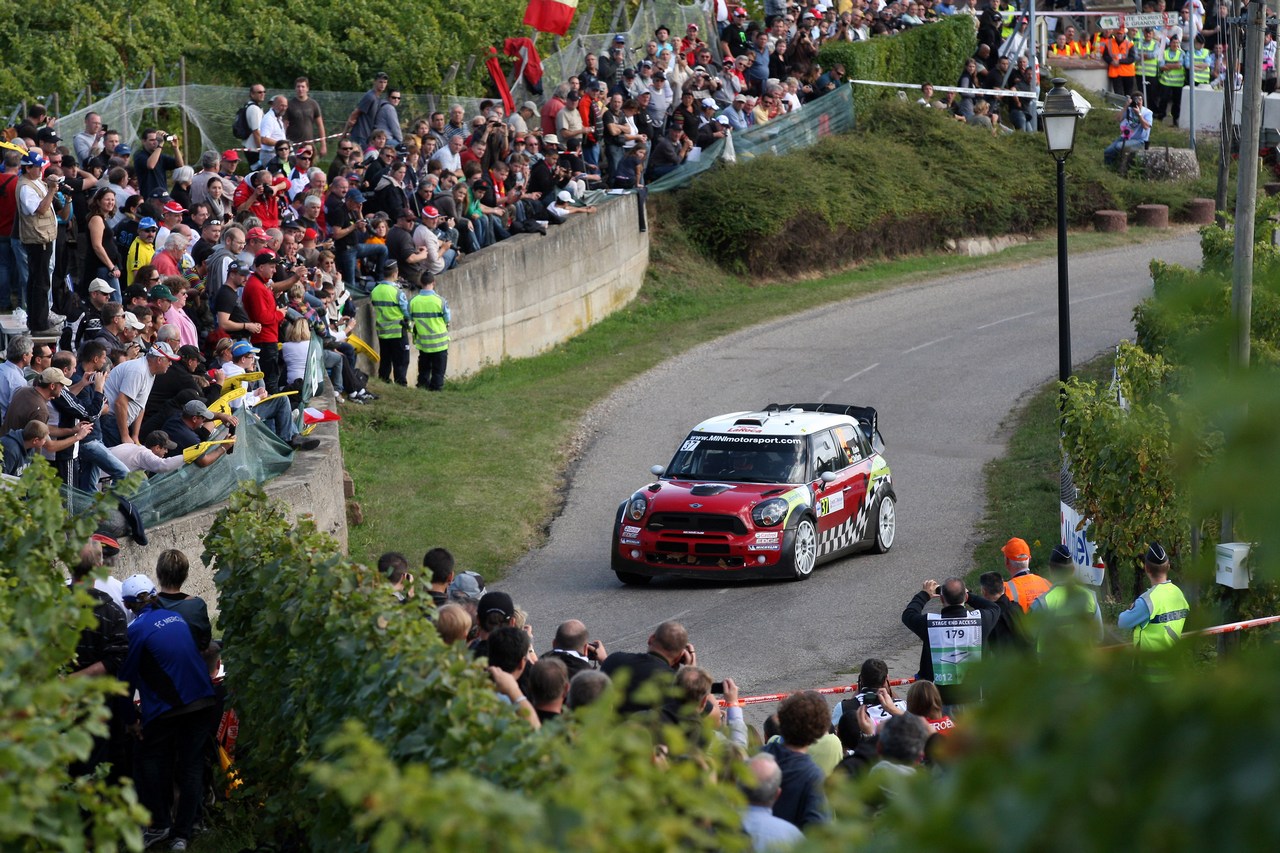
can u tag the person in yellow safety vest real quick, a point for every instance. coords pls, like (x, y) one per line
(1063, 46)
(1119, 54)
(1201, 62)
(430, 315)
(1067, 603)
(1173, 76)
(1148, 52)
(1023, 587)
(1008, 17)
(1159, 614)
(390, 322)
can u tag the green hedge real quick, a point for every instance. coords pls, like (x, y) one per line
(934, 53)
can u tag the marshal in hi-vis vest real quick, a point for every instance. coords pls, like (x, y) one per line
(1169, 610)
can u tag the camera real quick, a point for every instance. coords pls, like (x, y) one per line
(593, 650)
(169, 137)
(717, 687)
(868, 698)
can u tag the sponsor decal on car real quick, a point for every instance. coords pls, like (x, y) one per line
(767, 536)
(831, 503)
(630, 530)
(746, 429)
(627, 541)
(757, 547)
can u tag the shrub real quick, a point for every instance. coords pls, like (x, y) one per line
(49, 720)
(349, 701)
(934, 53)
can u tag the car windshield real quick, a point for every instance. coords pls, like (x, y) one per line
(740, 459)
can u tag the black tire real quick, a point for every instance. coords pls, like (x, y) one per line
(633, 579)
(804, 549)
(885, 529)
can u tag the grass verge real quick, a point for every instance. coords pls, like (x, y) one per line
(479, 468)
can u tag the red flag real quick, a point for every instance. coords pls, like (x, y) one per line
(500, 80)
(550, 16)
(530, 63)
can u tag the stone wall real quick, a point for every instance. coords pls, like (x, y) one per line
(529, 293)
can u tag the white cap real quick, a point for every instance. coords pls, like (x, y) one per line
(100, 286)
(136, 586)
(131, 320)
(564, 196)
(708, 104)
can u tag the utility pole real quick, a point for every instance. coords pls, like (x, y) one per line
(1228, 138)
(1246, 201)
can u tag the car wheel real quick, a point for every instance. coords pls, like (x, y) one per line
(633, 579)
(804, 549)
(886, 524)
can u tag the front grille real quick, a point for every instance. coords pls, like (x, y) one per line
(706, 561)
(675, 546)
(703, 523)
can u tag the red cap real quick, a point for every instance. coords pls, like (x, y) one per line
(173, 207)
(310, 234)
(430, 211)
(231, 156)
(257, 234)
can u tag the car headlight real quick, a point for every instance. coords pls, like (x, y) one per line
(637, 507)
(769, 513)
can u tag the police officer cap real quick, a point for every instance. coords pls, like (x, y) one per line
(1156, 555)
(1061, 556)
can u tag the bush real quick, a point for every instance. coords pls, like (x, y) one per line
(348, 700)
(933, 53)
(49, 720)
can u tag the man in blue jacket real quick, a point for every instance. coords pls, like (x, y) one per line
(178, 704)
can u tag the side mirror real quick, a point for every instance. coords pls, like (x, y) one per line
(828, 477)
(657, 470)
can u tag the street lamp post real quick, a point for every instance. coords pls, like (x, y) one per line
(1059, 116)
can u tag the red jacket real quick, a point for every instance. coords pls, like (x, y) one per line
(260, 305)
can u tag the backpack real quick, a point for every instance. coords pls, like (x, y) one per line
(240, 126)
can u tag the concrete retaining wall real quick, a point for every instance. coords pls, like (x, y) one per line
(529, 293)
(312, 486)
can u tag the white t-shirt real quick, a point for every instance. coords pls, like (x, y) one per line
(133, 379)
(138, 458)
(295, 359)
(271, 126)
(253, 118)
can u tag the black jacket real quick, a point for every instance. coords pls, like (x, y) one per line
(915, 619)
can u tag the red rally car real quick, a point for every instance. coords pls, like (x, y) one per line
(761, 494)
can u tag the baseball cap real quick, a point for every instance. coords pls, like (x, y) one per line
(264, 258)
(231, 156)
(708, 104)
(355, 195)
(110, 546)
(160, 193)
(131, 320)
(32, 158)
(724, 120)
(468, 584)
(1061, 556)
(162, 350)
(122, 150)
(147, 224)
(1016, 549)
(53, 376)
(235, 267)
(256, 233)
(529, 105)
(47, 134)
(135, 291)
(430, 212)
(160, 437)
(619, 39)
(197, 409)
(173, 207)
(242, 348)
(739, 97)
(496, 601)
(310, 234)
(136, 586)
(161, 291)
(564, 196)
(100, 286)
(189, 351)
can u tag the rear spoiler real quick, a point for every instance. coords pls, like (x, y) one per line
(866, 417)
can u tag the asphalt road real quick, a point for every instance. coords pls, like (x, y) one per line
(944, 362)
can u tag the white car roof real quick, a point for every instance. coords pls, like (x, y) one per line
(790, 422)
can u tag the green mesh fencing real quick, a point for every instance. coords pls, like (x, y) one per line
(830, 114)
(259, 455)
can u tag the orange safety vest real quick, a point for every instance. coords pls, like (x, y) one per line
(1119, 50)
(1026, 588)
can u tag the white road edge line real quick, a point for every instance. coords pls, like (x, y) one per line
(926, 344)
(860, 372)
(1005, 320)
(1099, 296)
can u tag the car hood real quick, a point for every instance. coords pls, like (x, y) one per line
(713, 496)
